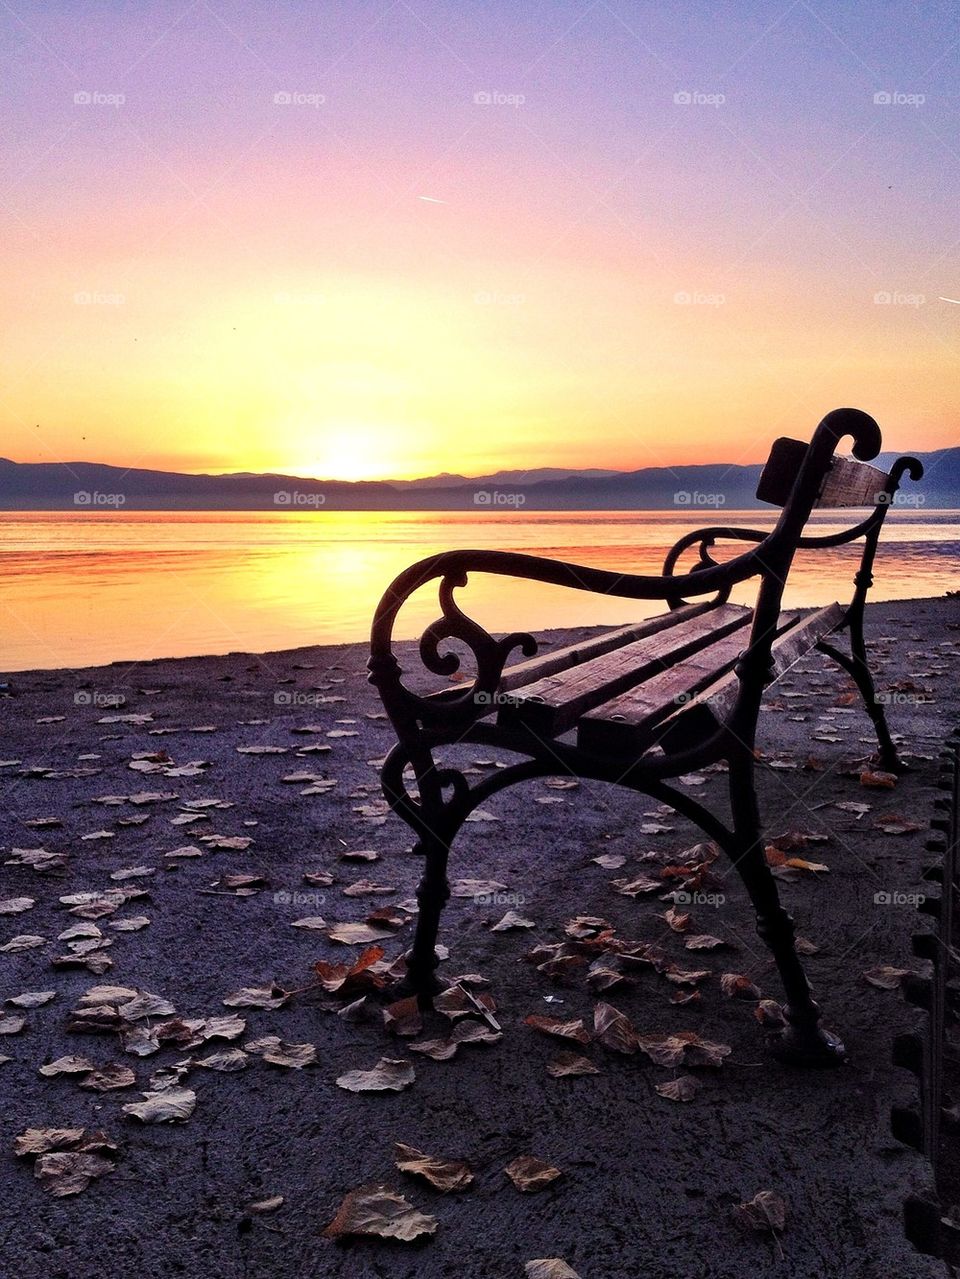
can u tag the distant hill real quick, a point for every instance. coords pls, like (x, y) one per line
(97, 486)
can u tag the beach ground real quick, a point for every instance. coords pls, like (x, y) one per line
(649, 1185)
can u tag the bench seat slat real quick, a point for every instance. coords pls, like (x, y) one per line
(626, 723)
(703, 714)
(562, 659)
(553, 704)
(706, 685)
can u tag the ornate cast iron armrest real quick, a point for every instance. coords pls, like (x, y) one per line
(410, 710)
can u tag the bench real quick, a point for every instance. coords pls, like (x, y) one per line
(648, 702)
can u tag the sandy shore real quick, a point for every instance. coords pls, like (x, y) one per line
(648, 1186)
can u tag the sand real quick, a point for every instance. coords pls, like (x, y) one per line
(649, 1185)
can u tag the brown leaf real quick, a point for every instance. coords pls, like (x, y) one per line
(766, 1212)
(678, 920)
(107, 1078)
(272, 996)
(67, 1066)
(170, 1105)
(895, 824)
(885, 977)
(529, 1174)
(614, 1029)
(388, 1075)
(738, 986)
(229, 1060)
(292, 1056)
(683, 1088)
(357, 934)
(562, 1029)
(569, 1065)
(549, 1268)
(68, 1172)
(378, 1210)
(443, 1174)
(512, 920)
(769, 1013)
(876, 778)
(704, 941)
(12, 1023)
(403, 1017)
(266, 1205)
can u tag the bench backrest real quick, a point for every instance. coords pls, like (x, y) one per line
(846, 482)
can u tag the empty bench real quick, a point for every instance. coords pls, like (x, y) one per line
(645, 703)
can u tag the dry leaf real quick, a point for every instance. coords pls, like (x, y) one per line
(443, 1174)
(68, 1172)
(883, 781)
(67, 1066)
(529, 1173)
(614, 1029)
(107, 1078)
(512, 920)
(738, 986)
(885, 977)
(172, 1104)
(292, 1056)
(683, 1088)
(388, 1075)
(766, 1212)
(403, 1017)
(562, 1029)
(378, 1210)
(549, 1268)
(228, 1061)
(569, 1065)
(272, 996)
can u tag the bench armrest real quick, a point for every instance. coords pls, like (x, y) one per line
(451, 569)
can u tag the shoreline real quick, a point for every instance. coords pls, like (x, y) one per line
(550, 635)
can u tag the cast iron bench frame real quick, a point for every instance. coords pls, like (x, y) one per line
(716, 724)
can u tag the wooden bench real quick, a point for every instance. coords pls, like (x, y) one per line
(645, 703)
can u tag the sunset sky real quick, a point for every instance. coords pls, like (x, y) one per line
(473, 235)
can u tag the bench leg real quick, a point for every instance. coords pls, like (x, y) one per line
(433, 891)
(803, 1041)
(858, 668)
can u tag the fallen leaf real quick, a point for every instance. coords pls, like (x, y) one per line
(614, 1029)
(443, 1174)
(683, 1088)
(403, 1017)
(885, 977)
(16, 905)
(881, 780)
(291, 1056)
(227, 1061)
(266, 1205)
(107, 1078)
(512, 920)
(67, 1066)
(530, 1174)
(561, 1029)
(68, 1172)
(738, 986)
(765, 1213)
(12, 1023)
(388, 1075)
(570, 1065)
(549, 1268)
(272, 996)
(378, 1210)
(169, 1105)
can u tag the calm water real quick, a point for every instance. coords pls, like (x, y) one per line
(84, 588)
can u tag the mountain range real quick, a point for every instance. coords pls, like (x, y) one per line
(98, 486)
